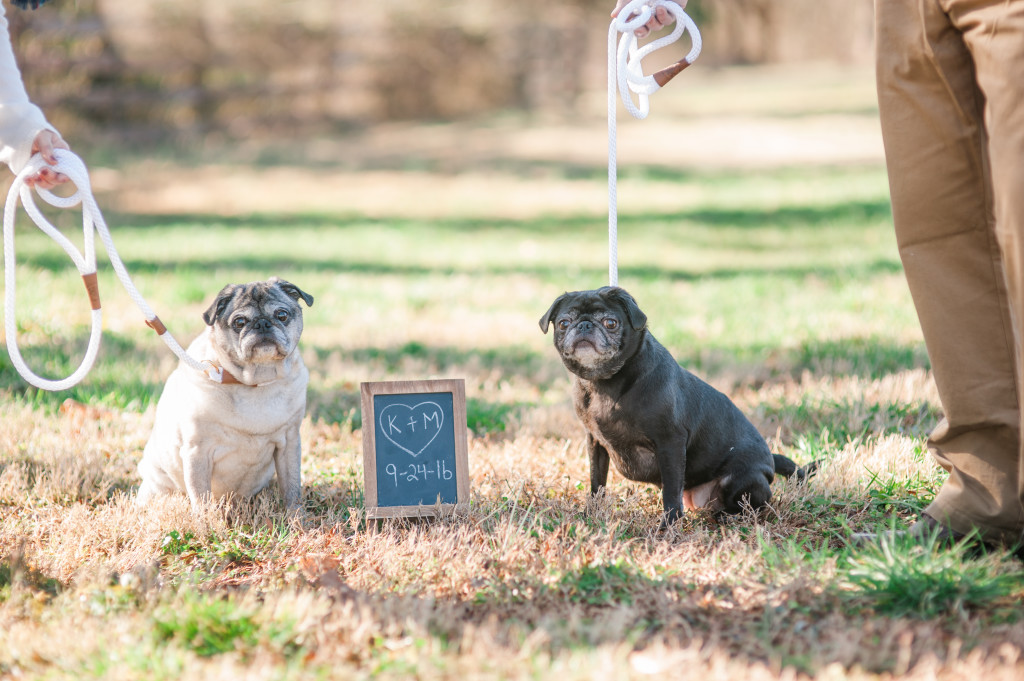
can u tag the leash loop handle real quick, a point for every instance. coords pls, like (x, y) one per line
(84, 262)
(629, 56)
(92, 224)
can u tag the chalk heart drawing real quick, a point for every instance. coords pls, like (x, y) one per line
(412, 429)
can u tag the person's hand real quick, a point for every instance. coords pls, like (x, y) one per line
(44, 144)
(661, 17)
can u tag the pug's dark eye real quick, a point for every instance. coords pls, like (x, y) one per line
(281, 315)
(563, 324)
(238, 323)
(611, 324)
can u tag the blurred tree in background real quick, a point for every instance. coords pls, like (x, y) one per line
(147, 70)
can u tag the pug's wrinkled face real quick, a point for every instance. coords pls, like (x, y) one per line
(595, 331)
(259, 322)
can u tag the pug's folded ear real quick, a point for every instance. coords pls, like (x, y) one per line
(220, 303)
(637, 318)
(292, 291)
(552, 312)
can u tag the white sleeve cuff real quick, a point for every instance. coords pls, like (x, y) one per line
(19, 125)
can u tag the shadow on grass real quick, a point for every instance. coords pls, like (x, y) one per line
(868, 358)
(839, 421)
(14, 572)
(124, 379)
(864, 357)
(439, 358)
(483, 417)
(119, 381)
(309, 263)
(343, 405)
(787, 217)
(744, 230)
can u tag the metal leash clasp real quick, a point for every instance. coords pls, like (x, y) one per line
(212, 371)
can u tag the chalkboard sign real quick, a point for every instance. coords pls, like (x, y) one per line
(414, 446)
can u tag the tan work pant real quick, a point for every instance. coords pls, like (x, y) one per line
(951, 97)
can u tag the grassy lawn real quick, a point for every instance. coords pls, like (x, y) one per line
(781, 286)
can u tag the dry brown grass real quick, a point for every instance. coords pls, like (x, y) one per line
(497, 590)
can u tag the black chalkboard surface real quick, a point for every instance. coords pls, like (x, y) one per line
(414, 446)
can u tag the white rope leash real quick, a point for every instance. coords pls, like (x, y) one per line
(625, 74)
(92, 222)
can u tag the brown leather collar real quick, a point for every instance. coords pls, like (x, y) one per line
(228, 378)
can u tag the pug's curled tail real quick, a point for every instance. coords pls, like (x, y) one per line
(787, 468)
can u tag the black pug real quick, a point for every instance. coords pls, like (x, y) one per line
(658, 422)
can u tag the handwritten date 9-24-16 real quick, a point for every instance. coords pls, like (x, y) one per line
(417, 472)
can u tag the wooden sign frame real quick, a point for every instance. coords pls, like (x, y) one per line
(457, 388)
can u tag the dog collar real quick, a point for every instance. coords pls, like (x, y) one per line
(219, 374)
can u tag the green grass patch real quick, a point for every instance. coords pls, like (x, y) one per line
(208, 625)
(905, 576)
(238, 547)
(602, 584)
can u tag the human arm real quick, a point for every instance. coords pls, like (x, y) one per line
(24, 129)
